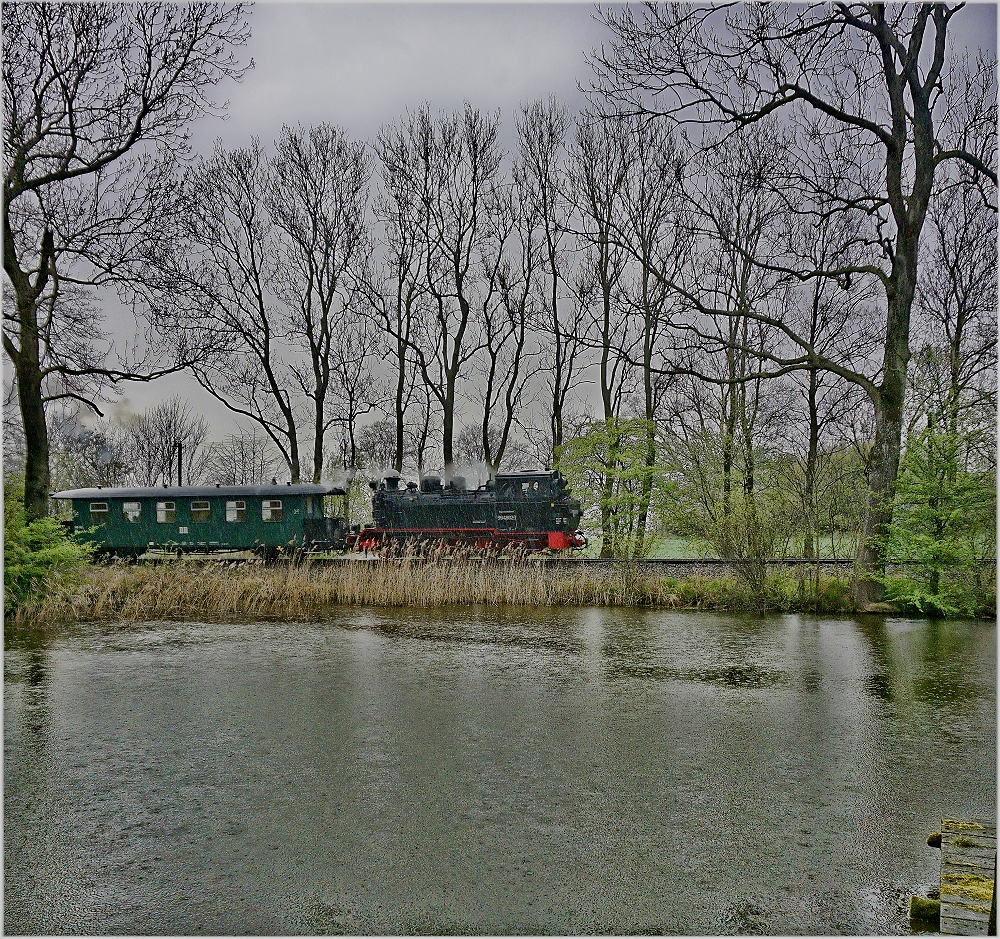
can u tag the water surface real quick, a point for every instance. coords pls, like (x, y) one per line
(554, 771)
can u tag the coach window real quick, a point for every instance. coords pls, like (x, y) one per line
(236, 511)
(166, 513)
(98, 513)
(201, 511)
(131, 511)
(270, 510)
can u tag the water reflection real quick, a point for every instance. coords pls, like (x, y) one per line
(559, 770)
(930, 663)
(27, 674)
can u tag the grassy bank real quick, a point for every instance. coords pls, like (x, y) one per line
(132, 593)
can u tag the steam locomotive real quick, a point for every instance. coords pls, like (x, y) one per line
(532, 510)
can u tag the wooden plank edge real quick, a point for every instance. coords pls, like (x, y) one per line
(959, 912)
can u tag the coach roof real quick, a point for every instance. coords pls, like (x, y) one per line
(269, 490)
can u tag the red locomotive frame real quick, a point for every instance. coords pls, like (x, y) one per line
(374, 539)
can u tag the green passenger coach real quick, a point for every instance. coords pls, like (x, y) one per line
(128, 521)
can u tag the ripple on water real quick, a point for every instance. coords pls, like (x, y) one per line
(559, 771)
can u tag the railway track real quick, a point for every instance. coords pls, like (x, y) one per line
(718, 565)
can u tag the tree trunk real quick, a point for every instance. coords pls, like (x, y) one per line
(810, 548)
(318, 442)
(883, 463)
(294, 467)
(607, 393)
(647, 386)
(883, 467)
(645, 495)
(36, 435)
(557, 378)
(400, 393)
(28, 368)
(607, 491)
(448, 422)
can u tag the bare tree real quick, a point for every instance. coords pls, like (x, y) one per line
(151, 440)
(719, 278)
(956, 307)
(243, 459)
(826, 315)
(874, 79)
(354, 390)
(657, 234)
(449, 169)
(97, 99)
(510, 258)
(227, 267)
(598, 167)
(377, 446)
(740, 217)
(394, 292)
(540, 176)
(317, 198)
(418, 433)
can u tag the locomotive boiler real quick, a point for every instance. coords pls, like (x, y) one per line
(530, 510)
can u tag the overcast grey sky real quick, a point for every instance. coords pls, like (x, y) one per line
(361, 65)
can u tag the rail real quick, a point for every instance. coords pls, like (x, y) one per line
(546, 561)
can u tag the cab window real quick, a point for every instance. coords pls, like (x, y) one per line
(98, 513)
(201, 511)
(131, 511)
(236, 511)
(166, 513)
(270, 510)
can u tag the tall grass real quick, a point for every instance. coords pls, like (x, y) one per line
(129, 593)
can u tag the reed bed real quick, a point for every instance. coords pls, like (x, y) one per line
(217, 590)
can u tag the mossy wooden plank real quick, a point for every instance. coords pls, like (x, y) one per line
(966, 824)
(961, 906)
(968, 858)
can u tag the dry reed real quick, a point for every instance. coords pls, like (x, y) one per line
(140, 592)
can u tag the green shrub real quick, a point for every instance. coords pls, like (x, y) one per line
(956, 597)
(37, 556)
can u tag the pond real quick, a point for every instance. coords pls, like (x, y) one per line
(552, 771)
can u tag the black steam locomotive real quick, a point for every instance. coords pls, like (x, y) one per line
(533, 511)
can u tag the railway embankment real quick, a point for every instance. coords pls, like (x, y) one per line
(208, 589)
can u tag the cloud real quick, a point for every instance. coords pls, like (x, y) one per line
(363, 65)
